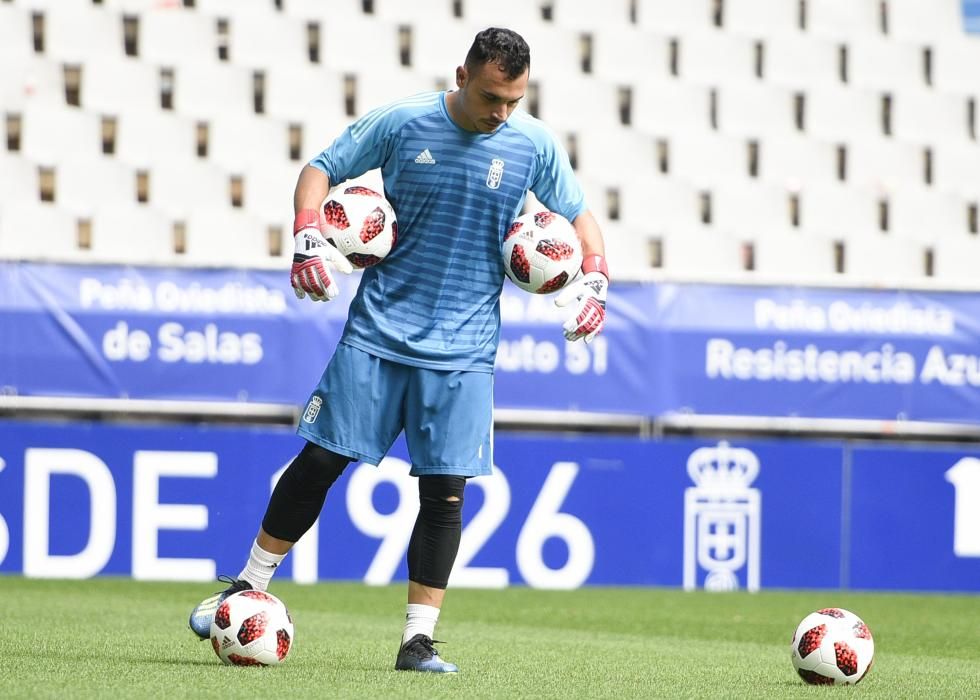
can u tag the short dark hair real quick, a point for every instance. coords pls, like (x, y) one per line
(504, 47)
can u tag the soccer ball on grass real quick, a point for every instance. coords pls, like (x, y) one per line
(252, 628)
(832, 646)
(361, 224)
(542, 252)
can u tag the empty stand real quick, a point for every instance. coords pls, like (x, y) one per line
(177, 186)
(147, 138)
(701, 253)
(923, 214)
(794, 254)
(629, 54)
(801, 61)
(38, 231)
(795, 161)
(843, 19)
(132, 233)
(670, 106)
(75, 32)
(749, 209)
(261, 40)
(933, 21)
(885, 64)
(840, 211)
(85, 184)
(175, 36)
(756, 110)
(240, 141)
(52, 133)
(842, 113)
(113, 84)
(213, 89)
(714, 57)
(675, 17)
(761, 18)
(222, 237)
(885, 164)
(708, 159)
(883, 260)
(924, 116)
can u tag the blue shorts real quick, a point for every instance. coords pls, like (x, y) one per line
(363, 402)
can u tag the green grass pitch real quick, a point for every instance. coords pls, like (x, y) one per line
(119, 638)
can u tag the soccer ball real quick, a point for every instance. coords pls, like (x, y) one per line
(360, 224)
(542, 252)
(832, 647)
(252, 628)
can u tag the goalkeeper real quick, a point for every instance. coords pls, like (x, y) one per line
(417, 352)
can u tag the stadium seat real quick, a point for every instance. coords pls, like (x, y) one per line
(833, 209)
(38, 231)
(317, 10)
(132, 234)
(417, 12)
(842, 113)
(796, 161)
(178, 186)
(927, 117)
(702, 253)
(627, 251)
(556, 52)
(929, 22)
(263, 40)
(518, 15)
(954, 65)
(884, 164)
(322, 93)
(956, 168)
(761, 18)
(655, 205)
(627, 54)
(878, 63)
(611, 154)
(15, 33)
(30, 79)
(51, 134)
(562, 103)
(147, 137)
(922, 214)
(18, 180)
(85, 184)
(115, 85)
(748, 209)
(800, 61)
(843, 19)
(438, 46)
(377, 88)
(75, 32)
(956, 259)
(582, 16)
(238, 141)
(172, 36)
(883, 260)
(715, 57)
(669, 16)
(791, 254)
(269, 191)
(354, 44)
(755, 110)
(221, 236)
(670, 107)
(210, 90)
(708, 159)
(236, 8)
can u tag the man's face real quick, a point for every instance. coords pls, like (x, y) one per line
(486, 97)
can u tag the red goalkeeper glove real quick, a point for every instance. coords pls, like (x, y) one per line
(312, 255)
(590, 294)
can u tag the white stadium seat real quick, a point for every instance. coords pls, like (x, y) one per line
(715, 57)
(842, 113)
(145, 138)
(956, 168)
(794, 254)
(172, 36)
(30, 79)
(15, 32)
(957, 259)
(178, 186)
(765, 18)
(800, 61)
(833, 209)
(925, 21)
(235, 8)
(85, 184)
(582, 16)
(627, 54)
(113, 84)
(377, 88)
(354, 44)
(415, 12)
(519, 15)
(613, 154)
(655, 205)
(750, 208)
(576, 102)
(38, 231)
(264, 40)
(701, 253)
(52, 134)
(211, 90)
(755, 110)
(955, 62)
(222, 237)
(296, 93)
(843, 19)
(708, 159)
(240, 141)
(133, 234)
(671, 16)
(439, 45)
(924, 116)
(884, 260)
(922, 214)
(18, 179)
(76, 32)
(317, 10)
(556, 53)
(670, 107)
(884, 164)
(796, 161)
(269, 191)
(885, 64)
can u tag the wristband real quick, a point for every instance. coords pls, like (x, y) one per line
(306, 218)
(595, 263)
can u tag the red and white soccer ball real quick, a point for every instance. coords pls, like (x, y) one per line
(361, 224)
(542, 252)
(252, 628)
(832, 646)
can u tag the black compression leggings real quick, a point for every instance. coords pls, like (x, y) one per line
(435, 539)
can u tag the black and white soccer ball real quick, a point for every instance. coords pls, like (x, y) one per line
(832, 646)
(252, 628)
(542, 252)
(361, 224)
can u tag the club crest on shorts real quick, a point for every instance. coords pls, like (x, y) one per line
(495, 174)
(312, 409)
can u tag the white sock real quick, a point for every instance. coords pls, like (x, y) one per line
(420, 619)
(260, 567)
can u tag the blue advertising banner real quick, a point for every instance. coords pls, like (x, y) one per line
(183, 503)
(227, 335)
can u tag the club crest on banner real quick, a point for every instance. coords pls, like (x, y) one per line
(722, 515)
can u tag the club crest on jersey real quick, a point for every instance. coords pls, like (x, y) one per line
(312, 409)
(495, 174)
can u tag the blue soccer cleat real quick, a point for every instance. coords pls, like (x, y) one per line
(203, 615)
(418, 654)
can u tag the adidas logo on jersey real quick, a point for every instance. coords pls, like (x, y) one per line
(425, 158)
